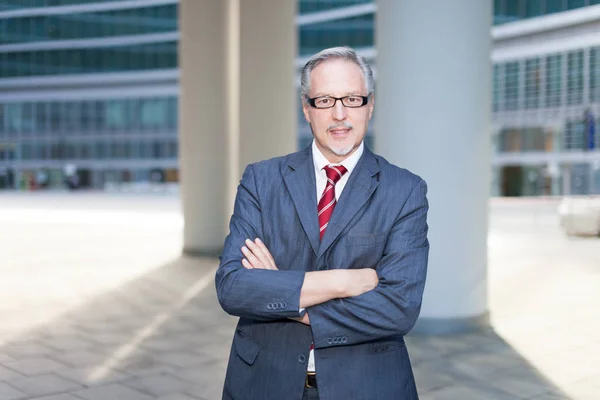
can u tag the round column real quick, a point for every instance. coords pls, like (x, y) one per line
(432, 103)
(234, 62)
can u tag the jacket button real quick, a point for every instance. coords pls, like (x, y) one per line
(270, 306)
(301, 358)
(284, 304)
(329, 341)
(344, 339)
(281, 305)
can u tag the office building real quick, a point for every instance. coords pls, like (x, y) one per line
(94, 85)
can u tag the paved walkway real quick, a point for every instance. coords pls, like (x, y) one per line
(96, 304)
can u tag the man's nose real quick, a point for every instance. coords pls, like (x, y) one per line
(339, 111)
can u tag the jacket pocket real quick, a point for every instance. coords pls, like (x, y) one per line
(385, 346)
(245, 347)
(366, 240)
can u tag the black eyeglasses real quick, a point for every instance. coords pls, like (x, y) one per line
(351, 101)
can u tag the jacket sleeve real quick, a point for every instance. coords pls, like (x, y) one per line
(393, 306)
(257, 294)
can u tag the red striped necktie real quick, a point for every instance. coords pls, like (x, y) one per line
(327, 202)
(326, 206)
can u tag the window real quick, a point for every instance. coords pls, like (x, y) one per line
(172, 115)
(72, 117)
(356, 31)
(595, 75)
(511, 86)
(14, 119)
(533, 8)
(116, 115)
(496, 89)
(574, 135)
(153, 114)
(74, 61)
(554, 6)
(42, 118)
(2, 119)
(571, 4)
(56, 119)
(553, 80)
(135, 21)
(575, 77)
(532, 83)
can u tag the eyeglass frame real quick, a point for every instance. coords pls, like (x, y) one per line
(312, 101)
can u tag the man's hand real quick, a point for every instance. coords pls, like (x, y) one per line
(257, 256)
(304, 320)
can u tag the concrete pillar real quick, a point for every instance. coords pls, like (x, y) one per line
(433, 102)
(237, 104)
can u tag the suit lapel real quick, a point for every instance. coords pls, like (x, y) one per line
(299, 178)
(359, 188)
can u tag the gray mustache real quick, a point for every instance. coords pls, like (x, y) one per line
(344, 124)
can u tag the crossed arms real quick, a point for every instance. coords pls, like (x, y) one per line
(362, 305)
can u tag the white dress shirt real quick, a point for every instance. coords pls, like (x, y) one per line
(321, 177)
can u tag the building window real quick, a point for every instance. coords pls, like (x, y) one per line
(571, 4)
(553, 80)
(532, 83)
(153, 114)
(511, 86)
(595, 74)
(574, 137)
(356, 31)
(554, 6)
(575, 77)
(534, 8)
(496, 90)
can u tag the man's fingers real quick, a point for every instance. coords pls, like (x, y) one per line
(259, 254)
(254, 261)
(246, 264)
(262, 246)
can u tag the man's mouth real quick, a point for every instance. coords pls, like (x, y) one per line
(339, 131)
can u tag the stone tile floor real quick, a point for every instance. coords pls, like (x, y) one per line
(96, 304)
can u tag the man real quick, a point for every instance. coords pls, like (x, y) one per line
(326, 258)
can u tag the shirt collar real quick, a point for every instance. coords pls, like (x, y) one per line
(349, 163)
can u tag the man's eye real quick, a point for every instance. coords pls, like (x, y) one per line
(324, 101)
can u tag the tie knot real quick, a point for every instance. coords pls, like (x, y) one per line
(334, 173)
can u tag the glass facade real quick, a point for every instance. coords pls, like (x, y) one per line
(356, 31)
(115, 58)
(515, 10)
(135, 21)
(308, 6)
(548, 73)
(115, 133)
(18, 4)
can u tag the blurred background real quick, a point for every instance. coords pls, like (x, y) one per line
(89, 90)
(125, 126)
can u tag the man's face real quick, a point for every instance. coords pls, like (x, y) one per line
(339, 130)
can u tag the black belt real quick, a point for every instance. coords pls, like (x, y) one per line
(311, 380)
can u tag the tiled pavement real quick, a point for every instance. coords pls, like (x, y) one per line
(95, 304)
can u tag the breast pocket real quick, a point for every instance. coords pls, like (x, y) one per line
(365, 251)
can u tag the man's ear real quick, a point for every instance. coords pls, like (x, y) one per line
(305, 111)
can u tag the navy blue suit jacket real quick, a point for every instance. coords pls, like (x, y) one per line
(380, 221)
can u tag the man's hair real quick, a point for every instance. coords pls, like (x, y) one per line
(332, 53)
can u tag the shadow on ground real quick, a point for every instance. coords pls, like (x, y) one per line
(164, 336)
